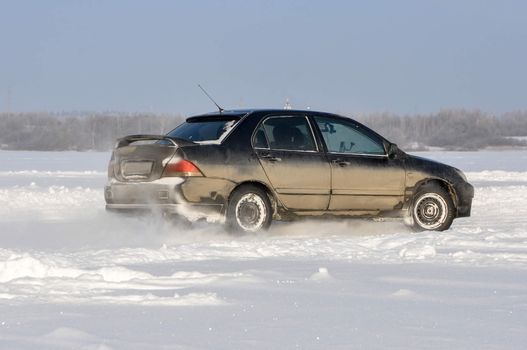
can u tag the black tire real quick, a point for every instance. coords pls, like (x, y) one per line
(432, 209)
(249, 210)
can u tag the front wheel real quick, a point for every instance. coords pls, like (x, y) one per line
(432, 209)
(249, 210)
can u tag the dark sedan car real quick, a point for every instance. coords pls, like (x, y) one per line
(253, 166)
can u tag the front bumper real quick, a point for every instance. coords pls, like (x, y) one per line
(465, 194)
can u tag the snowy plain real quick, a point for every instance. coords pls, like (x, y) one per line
(75, 277)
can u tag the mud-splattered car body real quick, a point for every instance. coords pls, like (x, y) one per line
(308, 163)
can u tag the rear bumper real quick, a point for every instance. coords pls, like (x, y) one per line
(142, 194)
(164, 196)
(465, 193)
(165, 208)
(190, 211)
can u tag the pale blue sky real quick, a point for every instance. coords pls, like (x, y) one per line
(339, 56)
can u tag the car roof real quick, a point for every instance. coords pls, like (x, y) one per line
(234, 113)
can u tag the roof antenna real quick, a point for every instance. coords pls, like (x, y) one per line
(205, 92)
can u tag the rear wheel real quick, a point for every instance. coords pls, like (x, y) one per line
(249, 210)
(432, 209)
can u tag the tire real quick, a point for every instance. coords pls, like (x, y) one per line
(249, 210)
(432, 209)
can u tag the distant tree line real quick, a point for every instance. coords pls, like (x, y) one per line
(79, 131)
(449, 129)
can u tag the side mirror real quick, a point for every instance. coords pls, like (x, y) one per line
(393, 151)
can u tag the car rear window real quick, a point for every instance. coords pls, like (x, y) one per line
(205, 130)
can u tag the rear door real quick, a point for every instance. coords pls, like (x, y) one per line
(293, 163)
(362, 175)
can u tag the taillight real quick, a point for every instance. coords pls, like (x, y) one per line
(181, 167)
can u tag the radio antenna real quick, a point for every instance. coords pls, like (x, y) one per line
(210, 98)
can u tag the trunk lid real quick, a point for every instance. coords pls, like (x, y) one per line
(141, 158)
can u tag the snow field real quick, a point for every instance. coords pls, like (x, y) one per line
(74, 276)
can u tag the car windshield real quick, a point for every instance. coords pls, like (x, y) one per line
(213, 130)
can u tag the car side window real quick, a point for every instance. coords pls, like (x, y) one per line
(289, 133)
(344, 137)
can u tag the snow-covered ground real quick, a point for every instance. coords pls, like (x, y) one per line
(75, 277)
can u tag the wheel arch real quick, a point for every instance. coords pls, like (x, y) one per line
(439, 182)
(262, 186)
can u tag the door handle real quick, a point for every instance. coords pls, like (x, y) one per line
(341, 162)
(270, 158)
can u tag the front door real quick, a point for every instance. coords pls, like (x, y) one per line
(298, 171)
(362, 175)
